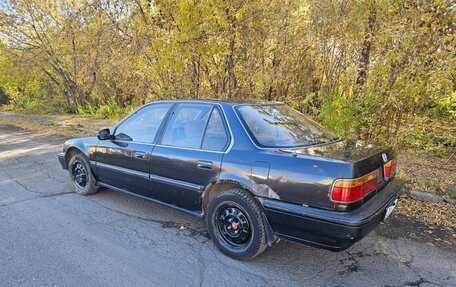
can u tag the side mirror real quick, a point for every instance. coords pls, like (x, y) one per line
(104, 134)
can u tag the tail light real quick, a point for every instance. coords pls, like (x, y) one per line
(349, 190)
(389, 169)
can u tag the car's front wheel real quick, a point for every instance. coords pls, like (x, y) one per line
(235, 224)
(81, 175)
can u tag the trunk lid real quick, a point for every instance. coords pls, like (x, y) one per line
(351, 160)
(364, 157)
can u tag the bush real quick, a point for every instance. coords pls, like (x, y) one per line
(424, 133)
(33, 107)
(339, 115)
(109, 110)
(88, 110)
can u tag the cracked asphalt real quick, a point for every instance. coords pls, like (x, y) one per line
(51, 236)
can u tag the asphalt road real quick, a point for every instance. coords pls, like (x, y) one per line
(51, 236)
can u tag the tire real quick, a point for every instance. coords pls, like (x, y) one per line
(81, 175)
(227, 214)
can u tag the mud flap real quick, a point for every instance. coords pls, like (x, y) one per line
(271, 238)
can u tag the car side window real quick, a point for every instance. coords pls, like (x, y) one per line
(143, 125)
(215, 138)
(186, 126)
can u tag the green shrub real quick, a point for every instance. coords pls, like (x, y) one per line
(339, 115)
(33, 107)
(109, 110)
(88, 110)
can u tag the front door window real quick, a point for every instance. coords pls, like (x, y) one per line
(143, 125)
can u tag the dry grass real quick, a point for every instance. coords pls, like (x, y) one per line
(431, 213)
(430, 173)
(43, 129)
(64, 125)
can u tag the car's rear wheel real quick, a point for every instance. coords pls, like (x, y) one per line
(235, 224)
(81, 175)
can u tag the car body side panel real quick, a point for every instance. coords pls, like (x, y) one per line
(87, 146)
(305, 181)
(309, 186)
(178, 176)
(124, 165)
(241, 158)
(291, 178)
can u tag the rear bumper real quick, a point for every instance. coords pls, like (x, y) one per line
(62, 160)
(327, 229)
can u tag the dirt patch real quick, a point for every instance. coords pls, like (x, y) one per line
(430, 173)
(66, 125)
(432, 213)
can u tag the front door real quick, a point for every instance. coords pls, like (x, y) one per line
(123, 161)
(189, 155)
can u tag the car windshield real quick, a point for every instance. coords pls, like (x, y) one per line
(278, 125)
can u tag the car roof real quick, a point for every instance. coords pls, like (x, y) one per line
(232, 102)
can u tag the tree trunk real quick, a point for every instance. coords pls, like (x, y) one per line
(366, 49)
(232, 82)
(196, 76)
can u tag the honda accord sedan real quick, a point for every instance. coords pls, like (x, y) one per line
(256, 172)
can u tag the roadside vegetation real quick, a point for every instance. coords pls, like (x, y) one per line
(377, 70)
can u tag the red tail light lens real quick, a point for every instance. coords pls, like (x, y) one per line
(348, 190)
(389, 169)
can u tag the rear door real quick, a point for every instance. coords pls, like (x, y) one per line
(189, 154)
(123, 162)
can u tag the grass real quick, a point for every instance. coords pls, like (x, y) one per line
(33, 108)
(110, 110)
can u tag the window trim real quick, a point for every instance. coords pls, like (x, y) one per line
(224, 121)
(154, 142)
(205, 127)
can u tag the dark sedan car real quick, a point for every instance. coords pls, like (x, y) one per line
(257, 172)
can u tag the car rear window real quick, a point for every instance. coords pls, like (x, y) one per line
(278, 125)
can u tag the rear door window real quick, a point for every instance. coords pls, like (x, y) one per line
(187, 125)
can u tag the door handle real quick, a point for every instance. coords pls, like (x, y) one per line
(204, 164)
(139, 154)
